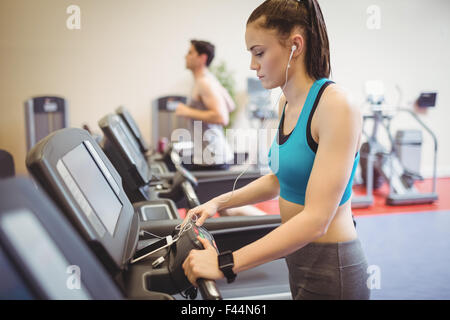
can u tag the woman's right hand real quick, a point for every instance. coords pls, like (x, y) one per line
(202, 212)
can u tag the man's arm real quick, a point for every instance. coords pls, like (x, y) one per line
(215, 112)
(231, 106)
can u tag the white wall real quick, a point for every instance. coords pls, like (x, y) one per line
(130, 52)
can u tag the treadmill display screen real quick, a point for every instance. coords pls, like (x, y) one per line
(87, 175)
(41, 257)
(132, 124)
(130, 146)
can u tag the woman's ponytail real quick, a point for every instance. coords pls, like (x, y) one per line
(318, 47)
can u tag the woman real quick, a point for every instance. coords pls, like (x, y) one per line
(313, 160)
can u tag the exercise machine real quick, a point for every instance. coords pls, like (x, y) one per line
(74, 171)
(139, 182)
(153, 158)
(7, 168)
(259, 103)
(164, 120)
(44, 115)
(378, 164)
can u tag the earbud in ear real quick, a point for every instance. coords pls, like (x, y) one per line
(293, 48)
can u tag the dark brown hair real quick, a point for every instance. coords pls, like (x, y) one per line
(284, 15)
(204, 47)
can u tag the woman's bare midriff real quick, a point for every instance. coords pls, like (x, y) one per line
(341, 228)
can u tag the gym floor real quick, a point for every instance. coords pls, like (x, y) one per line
(407, 247)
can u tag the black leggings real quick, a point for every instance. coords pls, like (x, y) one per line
(323, 271)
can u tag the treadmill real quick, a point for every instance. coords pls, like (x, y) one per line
(74, 171)
(41, 255)
(211, 183)
(139, 183)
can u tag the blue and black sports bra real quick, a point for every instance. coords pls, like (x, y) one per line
(291, 157)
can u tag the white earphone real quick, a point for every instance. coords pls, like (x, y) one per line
(294, 47)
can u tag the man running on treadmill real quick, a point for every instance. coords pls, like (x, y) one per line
(209, 109)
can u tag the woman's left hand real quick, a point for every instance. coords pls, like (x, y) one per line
(202, 263)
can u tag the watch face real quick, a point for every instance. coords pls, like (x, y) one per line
(226, 259)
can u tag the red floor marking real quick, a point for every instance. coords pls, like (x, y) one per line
(380, 207)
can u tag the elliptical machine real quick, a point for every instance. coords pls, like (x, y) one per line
(378, 164)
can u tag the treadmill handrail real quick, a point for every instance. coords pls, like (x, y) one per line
(164, 227)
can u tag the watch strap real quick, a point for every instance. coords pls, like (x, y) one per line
(227, 269)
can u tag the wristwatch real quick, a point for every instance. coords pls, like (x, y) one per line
(226, 264)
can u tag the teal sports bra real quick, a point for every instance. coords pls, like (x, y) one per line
(291, 157)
